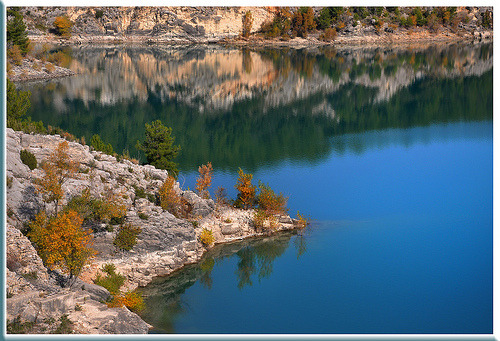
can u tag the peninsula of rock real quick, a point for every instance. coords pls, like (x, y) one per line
(165, 244)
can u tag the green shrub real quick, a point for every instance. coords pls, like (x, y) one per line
(17, 327)
(151, 198)
(65, 327)
(10, 181)
(112, 281)
(30, 276)
(126, 237)
(95, 209)
(139, 191)
(99, 145)
(99, 13)
(143, 216)
(28, 159)
(18, 103)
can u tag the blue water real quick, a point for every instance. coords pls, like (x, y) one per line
(401, 243)
(394, 167)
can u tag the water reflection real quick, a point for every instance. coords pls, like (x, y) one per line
(245, 108)
(254, 261)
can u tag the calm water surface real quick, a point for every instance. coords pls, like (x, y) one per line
(389, 150)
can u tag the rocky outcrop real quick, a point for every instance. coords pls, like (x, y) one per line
(165, 243)
(177, 24)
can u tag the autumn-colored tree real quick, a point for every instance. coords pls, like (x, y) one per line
(57, 169)
(308, 15)
(247, 24)
(61, 242)
(63, 26)
(14, 55)
(169, 198)
(246, 191)
(297, 24)
(204, 181)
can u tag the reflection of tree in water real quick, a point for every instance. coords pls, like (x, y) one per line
(164, 296)
(258, 260)
(206, 266)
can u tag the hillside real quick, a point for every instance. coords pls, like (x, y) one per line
(182, 24)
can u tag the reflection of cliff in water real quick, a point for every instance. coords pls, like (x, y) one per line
(255, 262)
(242, 108)
(214, 78)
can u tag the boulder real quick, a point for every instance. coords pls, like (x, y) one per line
(201, 207)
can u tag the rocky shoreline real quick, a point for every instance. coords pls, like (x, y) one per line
(165, 244)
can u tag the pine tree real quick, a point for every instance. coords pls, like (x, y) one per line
(16, 31)
(159, 148)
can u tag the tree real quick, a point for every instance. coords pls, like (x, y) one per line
(487, 20)
(270, 206)
(99, 145)
(159, 148)
(204, 181)
(16, 31)
(169, 198)
(246, 191)
(308, 16)
(297, 25)
(61, 242)
(324, 19)
(63, 26)
(18, 102)
(247, 24)
(57, 169)
(270, 202)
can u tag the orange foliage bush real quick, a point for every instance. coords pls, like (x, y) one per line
(169, 198)
(204, 181)
(271, 205)
(270, 202)
(129, 299)
(207, 237)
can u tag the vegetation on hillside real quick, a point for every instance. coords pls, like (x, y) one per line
(290, 23)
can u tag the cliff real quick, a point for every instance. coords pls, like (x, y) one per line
(183, 24)
(165, 244)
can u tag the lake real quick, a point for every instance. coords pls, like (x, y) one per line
(388, 150)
